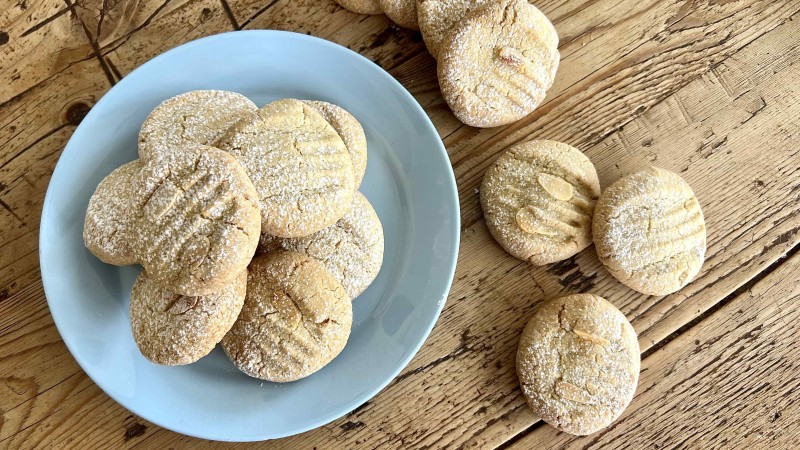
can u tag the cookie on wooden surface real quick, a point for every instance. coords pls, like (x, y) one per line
(299, 165)
(649, 231)
(197, 219)
(106, 228)
(350, 131)
(196, 117)
(438, 17)
(361, 6)
(351, 249)
(173, 329)
(538, 199)
(402, 12)
(578, 363)
(495, 67)
(295, 320)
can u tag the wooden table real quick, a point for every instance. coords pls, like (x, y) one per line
(706, 88)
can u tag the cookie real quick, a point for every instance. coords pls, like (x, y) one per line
(105, 230)
(173, 329)
(649, 231)
(361, 6)
(538, 199)
(296, 318)
(497, 64)
(197, 219)
(578, 363)
(351, 249)
(437, 18)
(350, 131)
(402, 12)
(197, 117)
(299, 165)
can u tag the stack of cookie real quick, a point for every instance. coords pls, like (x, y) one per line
(496, 58)
(218, 180)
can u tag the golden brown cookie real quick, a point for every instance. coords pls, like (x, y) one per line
(497, 64)
(351, 249)
(578, 363)
(197, 219)
(649, 231)
(437, 18)
(173, 329)
(299, 165)
(197, 117)
(361, 6)
(402, 12)
(350, 131)
(105, 230)
(296, 319)
(538, 199)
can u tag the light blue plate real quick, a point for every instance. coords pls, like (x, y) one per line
(409, 182)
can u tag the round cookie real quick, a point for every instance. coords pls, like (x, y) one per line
(402, 12)
(649, 231)
(437, 18)
(296, 318)
(173, 329)
(351, 249)
(197, 219)
(497, 64)
(299, 165)
(578, 363)
(198, 117)
(361, 6)
(538, 199)
(350, 131)
(105, 230)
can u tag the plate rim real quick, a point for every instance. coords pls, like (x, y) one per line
(452, 190)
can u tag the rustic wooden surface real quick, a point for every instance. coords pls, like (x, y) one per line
(707, 88)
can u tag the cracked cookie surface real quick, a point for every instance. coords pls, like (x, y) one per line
(538, 199)
(350, 131)
(299, 165)
(295, 320)
(578, 363)
(650, 232)
(172, 329)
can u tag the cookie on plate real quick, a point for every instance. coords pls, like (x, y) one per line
(538, 199)
(350, 131)
(299, 165)
(196, 117)
(438, 17)
(402, 12)
(173, 329)
(351, 249)
(649, 231)
(361, 6)
(296, 318)
(497, 64)
(106, 228)
(196, 219)
(578, 363)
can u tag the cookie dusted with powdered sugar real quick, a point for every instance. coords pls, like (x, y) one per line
(361, 6)
(296, 318)
(402, 12)
(650, 232)
(578, 363)
(438, 17)
(538, 199)
(350, 131)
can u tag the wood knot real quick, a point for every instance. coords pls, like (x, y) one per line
(205, 14)
(133, 430)
(3, 38)
(76, 112)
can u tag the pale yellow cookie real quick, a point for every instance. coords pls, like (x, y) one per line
(296, 319)
(106, 228)
(649, 231)
(538, 199)
(350, 131)
(402, 12)
(351, 249)
(578, 363)
(299, 165)
(496, 65)
(196, 117)
(361, 6)
(173, 329)
(196, 219)
(438, 17)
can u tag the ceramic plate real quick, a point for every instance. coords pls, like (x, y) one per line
(409, 182)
